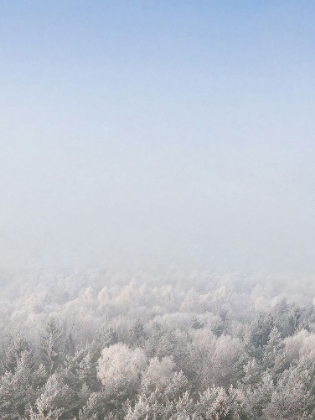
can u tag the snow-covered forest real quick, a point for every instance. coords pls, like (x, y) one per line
(176, 345)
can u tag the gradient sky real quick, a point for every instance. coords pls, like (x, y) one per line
(162, 131)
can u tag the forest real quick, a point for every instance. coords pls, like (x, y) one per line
(172, 345)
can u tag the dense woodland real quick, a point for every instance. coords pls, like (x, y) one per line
(194, 346)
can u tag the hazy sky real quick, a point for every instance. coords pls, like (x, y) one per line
(164, 131)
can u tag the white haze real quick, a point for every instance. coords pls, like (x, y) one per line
(69, 198)
(186, 140)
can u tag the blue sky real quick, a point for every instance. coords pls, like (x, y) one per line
(173, 131)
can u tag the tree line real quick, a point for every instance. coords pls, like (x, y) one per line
(137, 351)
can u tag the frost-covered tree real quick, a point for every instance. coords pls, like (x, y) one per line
(52, 345)
(158, 374)
(55, 401)
(292, 398)
(119, 370)
(13, 352)
(120, 364)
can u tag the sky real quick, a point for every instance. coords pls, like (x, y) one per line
(174, 132)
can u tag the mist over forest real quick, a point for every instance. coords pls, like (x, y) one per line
(157, 247)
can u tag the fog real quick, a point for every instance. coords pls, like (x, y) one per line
(157, 134)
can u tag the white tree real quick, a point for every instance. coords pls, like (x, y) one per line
(291, 399)
(301, 344)
(120, 366)
(51, 403)
(158, 374)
